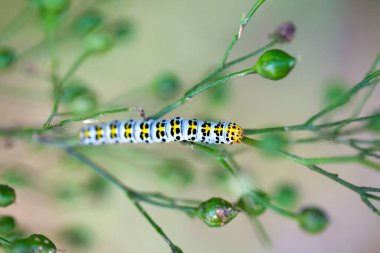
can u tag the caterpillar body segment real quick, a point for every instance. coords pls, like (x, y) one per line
(160, 131)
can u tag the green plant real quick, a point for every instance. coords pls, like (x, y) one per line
(273, 64)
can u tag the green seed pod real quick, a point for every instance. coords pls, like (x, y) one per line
(88, 22)
(7, 224)
(249, 204)
(7, 195)
(51, 6)
(7, 57)
(166, 86)
(274, 64)
(98, 42)
(313, 220)
(78, 98)
(216, 212)
(34, 243)
(374, 123)
(286, 195)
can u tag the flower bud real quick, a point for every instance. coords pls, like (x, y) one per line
(7, 224)
(274, 64)
(249, 204)
(88, 22)
(7, 57)
(313, 220)
(98, 42)
(34, 243)
(7, 195)
(284, 32)
(216, 212)
(78, 98)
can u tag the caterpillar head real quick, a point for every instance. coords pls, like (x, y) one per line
(234, 133)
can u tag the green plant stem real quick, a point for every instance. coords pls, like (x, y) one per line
(4, 241)
(91, 116)
(198, 89)
(158, 229)
(365, 196)
(223, 64)
(133, 195)
(260, 231)
(307, 127)
(58, 90)
(346, 97)
(244, 21)
(366, 97)
(220, 157)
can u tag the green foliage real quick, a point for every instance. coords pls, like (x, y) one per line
(7, 195)
(274, 64)
(166, 86)
(78, 98)
(88, 22)
(313, 220)
(216, 212)
(7, 224)
(286, 195)
(250, 205)
(7, 57)
(35, 243)
(77, 237)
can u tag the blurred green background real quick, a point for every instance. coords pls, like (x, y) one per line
(336, 41)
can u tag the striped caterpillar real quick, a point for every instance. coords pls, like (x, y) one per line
(159, 131)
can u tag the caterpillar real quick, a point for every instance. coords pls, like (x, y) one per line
(160, 131)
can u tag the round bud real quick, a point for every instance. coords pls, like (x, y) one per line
(34, 243)
(98, 42)
(313, 220)
(216, 212)
(7, 224)
(249, 204)
(274, 64)
(286, 195)
(78, 98)
(7, 195)
(52, 6)
(285, 32)
(88, 22)
(7, 57)
(166, 86)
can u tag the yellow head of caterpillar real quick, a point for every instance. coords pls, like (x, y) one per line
(235, 133)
